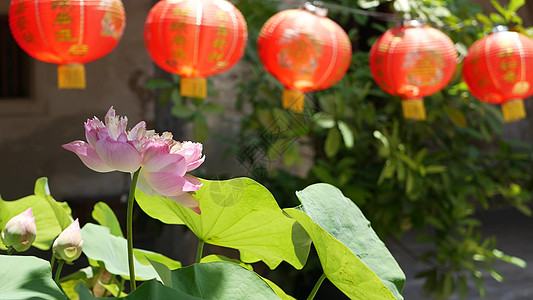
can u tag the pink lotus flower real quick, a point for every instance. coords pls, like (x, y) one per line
(164, 161)
(68, 245)
(110, 147)
(20, 231)
(165, 164)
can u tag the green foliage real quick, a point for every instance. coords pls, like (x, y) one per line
(51, 217)
(27, 277)
(191, 110)
(240, 214)
(432, 175)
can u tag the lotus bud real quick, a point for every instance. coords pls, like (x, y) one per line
(20, 231)
(68, 244)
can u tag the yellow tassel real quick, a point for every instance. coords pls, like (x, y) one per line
(293, 100)
(414, 109)
(195, 87)
(71, 76)
(513, 110)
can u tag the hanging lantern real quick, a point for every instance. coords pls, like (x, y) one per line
(497, 70)
(69, 33)
(195, 39)
(411, 62)
(305, 51)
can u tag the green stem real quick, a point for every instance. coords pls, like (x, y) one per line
(199, 251)
(109, 282)
(317, 286)
(129, 227)
(121, 286)
(58, 272)
(10, 250)
(52, 262)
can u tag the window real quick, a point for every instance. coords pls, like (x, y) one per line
(14, 65)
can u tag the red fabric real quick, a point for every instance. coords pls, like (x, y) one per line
(304, 51)
(413, 62)
(195, 38)
(61, 31)
(496, 67)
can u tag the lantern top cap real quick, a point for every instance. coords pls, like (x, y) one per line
(413, 23)
(500, 28)
(316, 8)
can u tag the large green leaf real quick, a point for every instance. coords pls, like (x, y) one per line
(238, 213)
(101, 245)
(351, 254)
(51, 217)
(214, 257)
(152, 289)
(217, 280)
(27, 277)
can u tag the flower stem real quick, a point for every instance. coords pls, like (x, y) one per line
(52, 262)
(58, 272)
(10, 250)
(199, 251)
(317, 286)
(129, 227)
(121, 286)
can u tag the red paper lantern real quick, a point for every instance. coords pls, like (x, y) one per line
(305, 51)
(69, 33)
(497, 69)
(413, 61)
(195, 39)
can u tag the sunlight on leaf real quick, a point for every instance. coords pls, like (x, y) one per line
(241, 214)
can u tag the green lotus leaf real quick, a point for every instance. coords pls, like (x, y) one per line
(351, 254)
(101, 246)
(27, 277)
(241, 214)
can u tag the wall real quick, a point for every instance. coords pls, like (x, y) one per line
(33, 130)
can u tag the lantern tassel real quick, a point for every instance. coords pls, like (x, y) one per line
(195, 87)
(293, 100)
(71, 76)
(513, 110)
(413, 108)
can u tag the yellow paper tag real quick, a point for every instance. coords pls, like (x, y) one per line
(293, 100)
(195, 87)
(414, 109)
(71, 76)
(513, 110)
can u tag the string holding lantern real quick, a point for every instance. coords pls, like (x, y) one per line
(195, 39)
(305, 51)
(68, 33)
(413, 61)
(496, 71)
